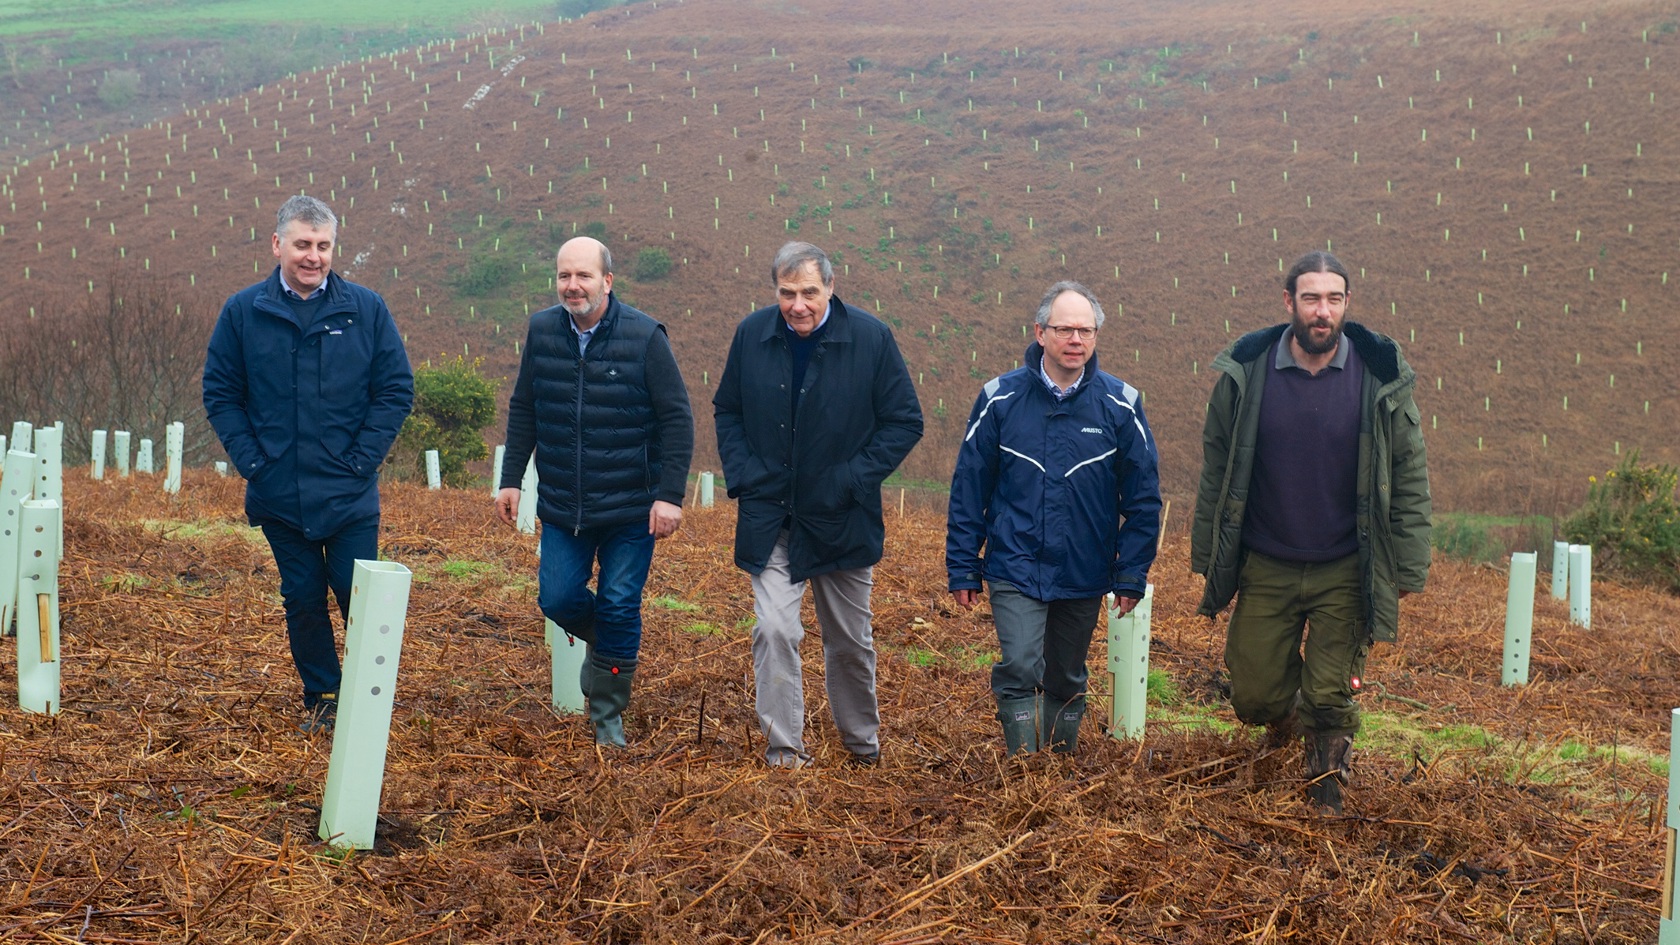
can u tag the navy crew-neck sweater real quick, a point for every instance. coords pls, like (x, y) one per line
(1306, 461)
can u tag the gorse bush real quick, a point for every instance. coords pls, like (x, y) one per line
(1633, 523)
(453, 404)
(652, 263)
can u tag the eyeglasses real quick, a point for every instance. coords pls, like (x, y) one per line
(1064, 332)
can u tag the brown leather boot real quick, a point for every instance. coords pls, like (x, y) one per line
(1329, 768)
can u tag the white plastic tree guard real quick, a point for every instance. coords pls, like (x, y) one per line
(566, 654)
(1128, 665)
(496, 469)
(527, 517)
(366, 698)
(1560, 570)
(96, 455)
(37, 615)
(1519, 618)
(221, 468)
(17, 485)
(175, 435)
(119, 445)
(1668, 932)
(49, 474)
(434, 472)
(1580, 585)
(708, 485)
(22, 435)
(2, 446)
(143, 459)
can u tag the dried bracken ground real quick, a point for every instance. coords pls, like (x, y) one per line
(175, 800)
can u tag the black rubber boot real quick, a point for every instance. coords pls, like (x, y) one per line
(1328, 769)
(1064, 727)
(608, 695)
(1020, 718)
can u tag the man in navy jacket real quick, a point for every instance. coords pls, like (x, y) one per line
(814, 410)
(600, 401)
(307, 383)
(1056, 478)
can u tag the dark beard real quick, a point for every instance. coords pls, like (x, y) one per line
(1303, 337)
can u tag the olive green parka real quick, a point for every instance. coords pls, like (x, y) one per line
(1393, 504)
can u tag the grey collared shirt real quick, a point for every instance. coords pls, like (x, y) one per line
(1286, 356)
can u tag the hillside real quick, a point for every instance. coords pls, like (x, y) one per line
(174, 799)
(1500, 176)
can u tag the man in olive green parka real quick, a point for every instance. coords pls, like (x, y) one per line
(1313, 511)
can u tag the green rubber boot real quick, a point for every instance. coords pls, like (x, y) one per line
(1020, 718)
(1064, 727)
(608, 695)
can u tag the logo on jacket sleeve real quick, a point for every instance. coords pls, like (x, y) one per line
(1097, 430)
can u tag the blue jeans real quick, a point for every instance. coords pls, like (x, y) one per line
(308, 568)
(615, 607)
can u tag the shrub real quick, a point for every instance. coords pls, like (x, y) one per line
(119, 88)
(652, 263)
(452, 406)
(484, 274)
(1633, 523)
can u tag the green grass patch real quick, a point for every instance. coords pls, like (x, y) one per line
(462, 570)
(1484, 539)
(703, 629)
(921, 656)
(126, 582)
(667, 602)
(1161, 689)
(203, 528)
(139, 19)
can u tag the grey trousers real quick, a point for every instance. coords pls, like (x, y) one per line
(842, 599)
(1043, 645)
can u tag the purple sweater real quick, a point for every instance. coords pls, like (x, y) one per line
(1306, 463)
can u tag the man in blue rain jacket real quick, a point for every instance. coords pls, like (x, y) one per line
(1057, 479)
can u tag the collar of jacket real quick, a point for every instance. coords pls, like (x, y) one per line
(839, 328)
(1381, 355)
(272, 299)
(603, 328)
(1033, 361)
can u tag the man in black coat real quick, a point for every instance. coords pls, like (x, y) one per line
(814, 410)
(600, 400)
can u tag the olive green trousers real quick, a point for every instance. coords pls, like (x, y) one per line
(1297, 628)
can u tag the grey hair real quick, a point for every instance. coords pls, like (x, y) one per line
(306, 210)
(1042, 319)
(606, 260)
(793, 256)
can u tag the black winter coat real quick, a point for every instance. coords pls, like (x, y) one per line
(612, 430)
(817, 474)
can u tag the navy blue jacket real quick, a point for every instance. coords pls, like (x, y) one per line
(1064, 495)
(817, 474)
(612, 430)
(307, 416)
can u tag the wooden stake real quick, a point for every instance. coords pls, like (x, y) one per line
(43, 605)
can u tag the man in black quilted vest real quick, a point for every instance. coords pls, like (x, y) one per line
(600, 400)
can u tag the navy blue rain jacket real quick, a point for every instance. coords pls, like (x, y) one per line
(1063, 495)
(307, 415)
